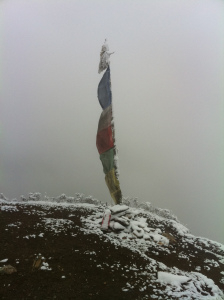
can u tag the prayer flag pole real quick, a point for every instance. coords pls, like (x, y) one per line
(105, 139)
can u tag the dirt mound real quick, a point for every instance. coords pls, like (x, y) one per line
(60, 252)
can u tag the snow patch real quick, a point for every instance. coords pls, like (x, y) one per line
(169, 278)
(9, 208)
(57, 225)
(45, 266)
(189, 285)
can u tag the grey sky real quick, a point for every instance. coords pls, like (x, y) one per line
(167, 79)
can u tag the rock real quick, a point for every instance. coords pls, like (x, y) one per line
(116, 226)
(37, 263)
(139, 233)
(170, 237)
(8, 269)
(117, 209)
(123, 221)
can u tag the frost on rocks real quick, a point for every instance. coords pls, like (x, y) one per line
(45, 266)
(116, 226)
(189, 285)
(118, 209)
(131, 228)
(9, 208)
(127, 224)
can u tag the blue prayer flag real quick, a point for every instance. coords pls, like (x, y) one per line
(104, 90)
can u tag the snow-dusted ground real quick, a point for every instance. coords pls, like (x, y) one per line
(138, 236)
(133, 230)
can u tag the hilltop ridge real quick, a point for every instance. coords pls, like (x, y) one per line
(60, 252)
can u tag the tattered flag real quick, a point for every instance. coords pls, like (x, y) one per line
(105, 139)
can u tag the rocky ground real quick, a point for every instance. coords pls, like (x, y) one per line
(58, 251)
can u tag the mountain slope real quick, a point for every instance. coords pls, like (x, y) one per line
(60, 252)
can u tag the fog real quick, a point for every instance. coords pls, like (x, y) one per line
(167, 85)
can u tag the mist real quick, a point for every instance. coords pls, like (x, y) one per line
(167, 85)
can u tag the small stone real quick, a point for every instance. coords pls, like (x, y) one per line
(8, 269)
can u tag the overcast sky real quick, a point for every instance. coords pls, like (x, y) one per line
(167, 80)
